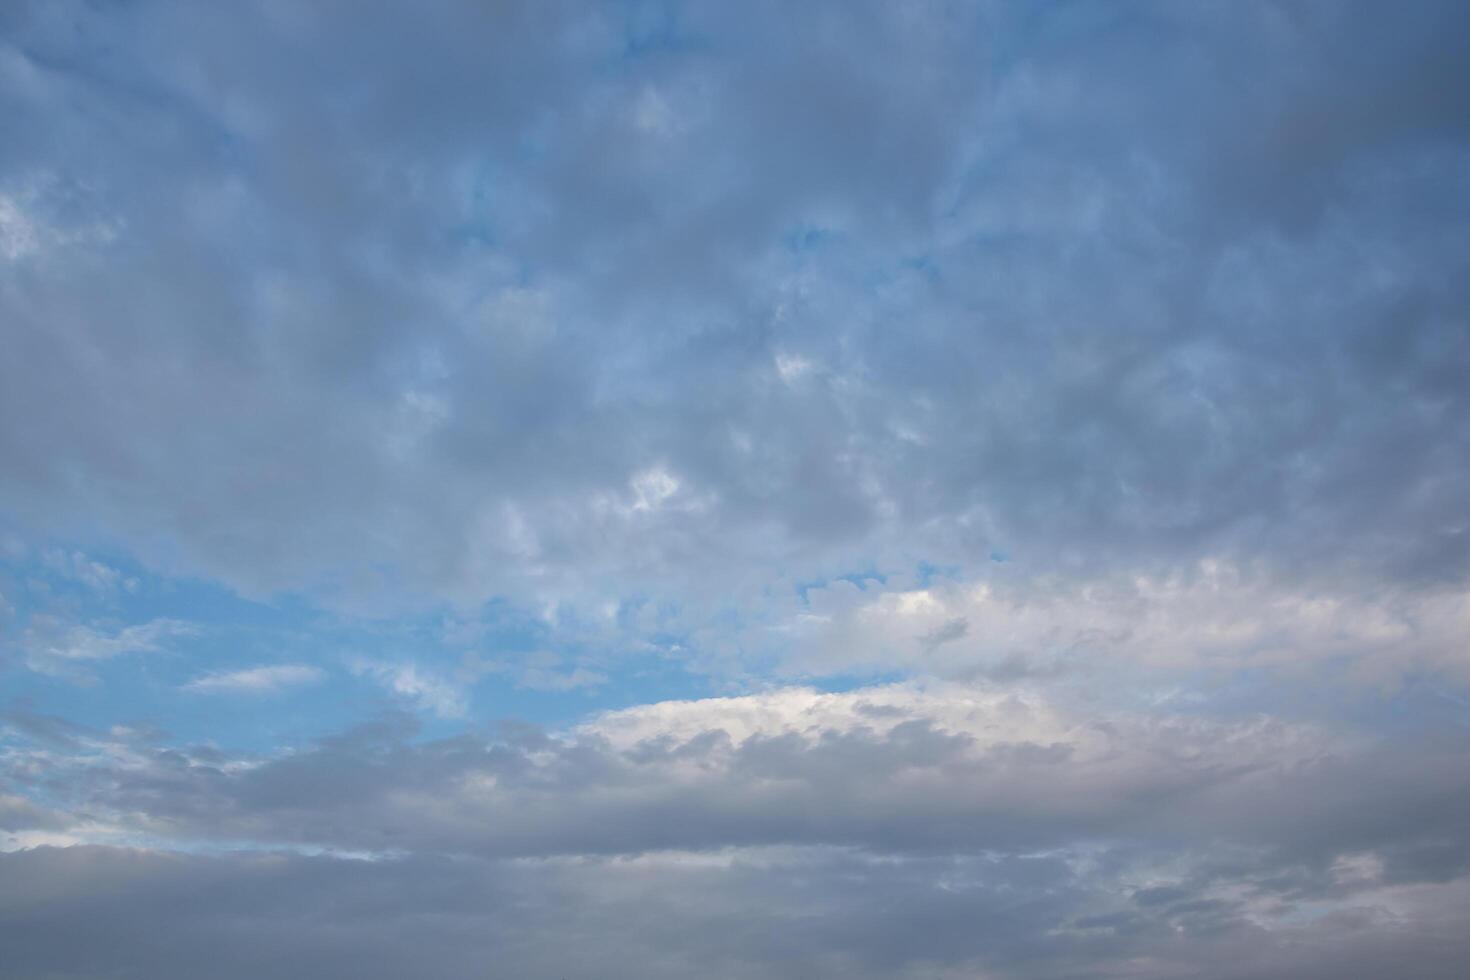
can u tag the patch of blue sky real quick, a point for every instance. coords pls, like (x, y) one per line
(922, 263)
(505, 663)
(653, 27)
(804, 238)
(845, 682)
(637, 680)
(928, 573)
(864, 579)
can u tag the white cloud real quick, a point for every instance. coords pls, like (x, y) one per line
(1214, 615)
(19, 236)
(55, 647)
(652, 488)
(436, 694)
(95, 575)
(256, 680)
(792, 367)
(26, 233)
(805, 711)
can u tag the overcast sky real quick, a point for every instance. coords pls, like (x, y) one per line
(925, 490)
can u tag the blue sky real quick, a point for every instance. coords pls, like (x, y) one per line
(879, 490)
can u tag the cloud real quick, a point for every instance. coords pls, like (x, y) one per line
(544, 679)
(619, 288)
(78, 642)
(889, 831)
(52, 646)
(801, 914)
(95, 575)
(950, 630)
(417, 686)
(899, 769)
(1214, 615)
(256, 680)
(727, 349)
(16, 812)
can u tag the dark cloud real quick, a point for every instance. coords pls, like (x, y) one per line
(786, 914)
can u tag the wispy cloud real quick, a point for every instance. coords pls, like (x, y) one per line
(549, 679)
(53, 646)
(421, 688)
(95, 575)
(257, 680)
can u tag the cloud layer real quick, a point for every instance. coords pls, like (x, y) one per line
(892, 490)
(413, 334)
(897, 831)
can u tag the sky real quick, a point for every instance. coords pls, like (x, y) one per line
(896, 491)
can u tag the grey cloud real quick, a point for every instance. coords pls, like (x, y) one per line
(52, 646)
(1016, 778)
(882, 834)
(785, 914)
(46, 729)
(950, 630)
(413, 334)
(18, 813)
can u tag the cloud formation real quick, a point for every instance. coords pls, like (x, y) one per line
(393, 357)
(650, 489)
(256, 680)
(52, 646)
(917, 813)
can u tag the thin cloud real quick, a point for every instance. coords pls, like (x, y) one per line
(257, 680)
(416, 685)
